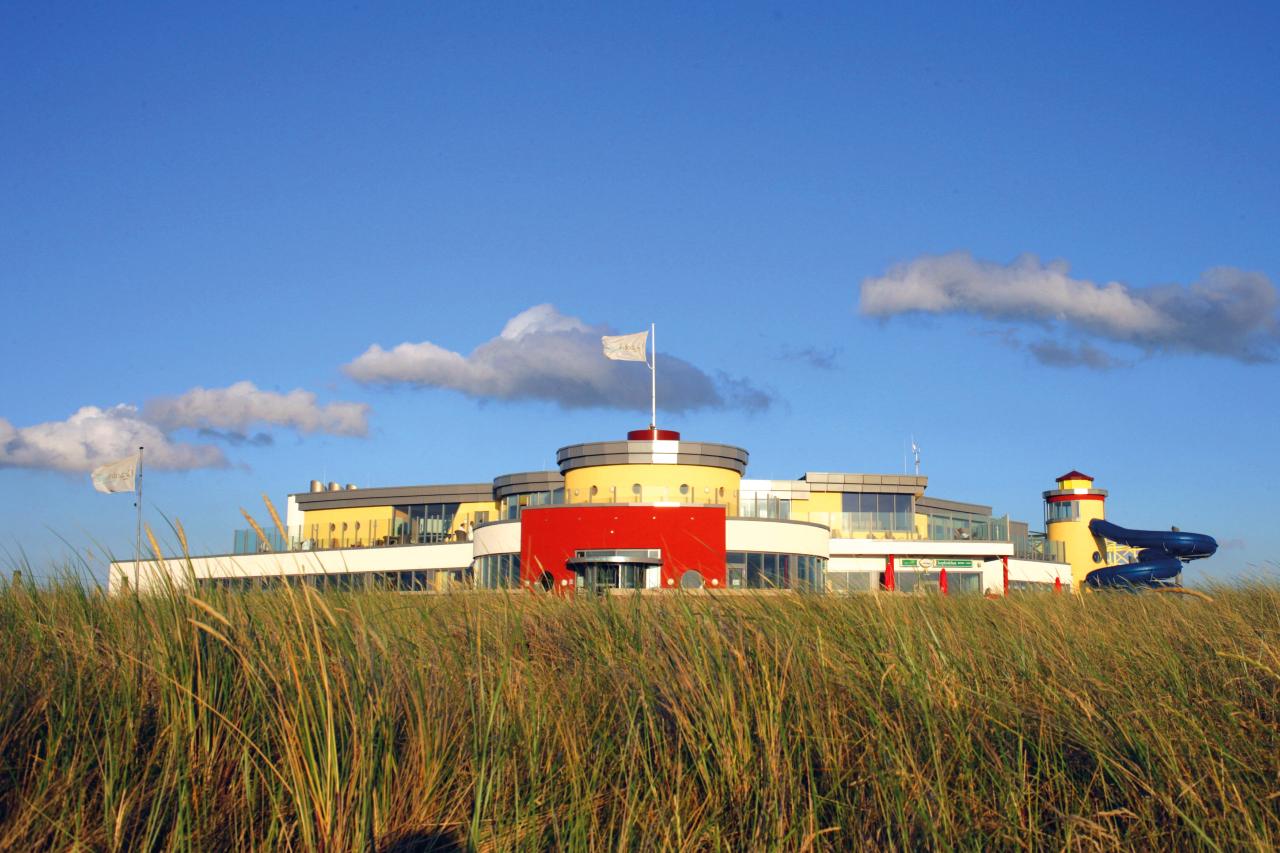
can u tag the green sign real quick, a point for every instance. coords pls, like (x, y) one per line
(930, 563)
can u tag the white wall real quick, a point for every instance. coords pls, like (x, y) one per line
(154, 574)
(502, 537)
(855, 564)
(919, 548)
(777, 537)
(1039, 572)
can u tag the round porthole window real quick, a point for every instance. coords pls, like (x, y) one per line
(594, 491)
(1097, 558)
(635, 488)
(684, 488)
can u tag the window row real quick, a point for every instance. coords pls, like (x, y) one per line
(957, 582)
(511, 506)
(405, 581)
(751, 570)
(1062, 511)
(498, 571)
(981, 528)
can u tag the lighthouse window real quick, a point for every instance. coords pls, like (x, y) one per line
(1062, 511)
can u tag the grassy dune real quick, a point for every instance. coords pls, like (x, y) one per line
(383, 721)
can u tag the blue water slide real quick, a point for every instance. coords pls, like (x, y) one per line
(1160, 559)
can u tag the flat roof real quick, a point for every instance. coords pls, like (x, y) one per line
(444, 493)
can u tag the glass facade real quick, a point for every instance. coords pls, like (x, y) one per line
(511, 506)
(958, 582)
(249, 542)
(763, 505)
(498, 571)
(754, 570)
(1035, 546)
(963, 525)
(853, 581)
(870, 511)
(604, 576)
(419, 524)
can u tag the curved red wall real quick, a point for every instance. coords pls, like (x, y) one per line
(690, 537)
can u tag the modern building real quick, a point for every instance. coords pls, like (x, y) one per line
(651, 512)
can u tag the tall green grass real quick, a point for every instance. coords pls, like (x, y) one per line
(402, 722)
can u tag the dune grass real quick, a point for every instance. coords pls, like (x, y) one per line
(402, 722)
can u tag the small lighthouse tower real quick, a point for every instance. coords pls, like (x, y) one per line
(1068, 510)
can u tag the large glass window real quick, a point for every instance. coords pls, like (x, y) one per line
(417, 524)
(957, 582)
(774, 571)
(872, 511)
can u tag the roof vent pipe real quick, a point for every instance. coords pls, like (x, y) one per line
(317, 486)
(334, 487)
(351, 487)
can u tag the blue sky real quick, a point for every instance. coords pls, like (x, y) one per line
(821, 208)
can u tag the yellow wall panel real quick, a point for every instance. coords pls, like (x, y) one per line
(614, 484)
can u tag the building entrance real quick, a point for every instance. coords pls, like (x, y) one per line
(602, 571)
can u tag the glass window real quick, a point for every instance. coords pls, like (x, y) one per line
(1062, 511)
(771, 570)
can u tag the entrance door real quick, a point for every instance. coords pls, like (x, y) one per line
(603, 571)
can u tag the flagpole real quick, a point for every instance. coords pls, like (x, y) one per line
(137, 542)
(653, 377)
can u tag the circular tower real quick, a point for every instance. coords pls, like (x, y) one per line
(1068, 510)
(652, 466)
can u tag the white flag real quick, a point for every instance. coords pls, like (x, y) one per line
(626, 347)
(116, 476)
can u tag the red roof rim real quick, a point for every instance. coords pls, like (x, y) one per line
(1073, 475)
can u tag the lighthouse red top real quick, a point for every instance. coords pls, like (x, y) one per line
(653, 435)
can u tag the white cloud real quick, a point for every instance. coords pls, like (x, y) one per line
(1227, 312)
(243, 405)
(92, 437)
(542, 354)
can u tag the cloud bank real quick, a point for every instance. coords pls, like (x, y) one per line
(542, 354)
(1227, 312)
(94, 436)
(239, 406)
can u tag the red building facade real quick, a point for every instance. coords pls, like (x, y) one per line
(686, 539)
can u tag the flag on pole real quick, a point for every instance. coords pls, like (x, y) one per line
(116, 476)
(626, 347)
